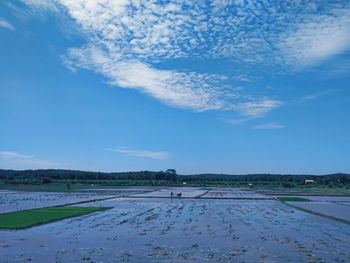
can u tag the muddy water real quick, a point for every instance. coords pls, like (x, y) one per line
(229, 193)
(190, 192)
(187, 230)
(337, 210)
(13, 201)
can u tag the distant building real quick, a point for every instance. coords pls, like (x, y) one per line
(170, 171)
(309, 181)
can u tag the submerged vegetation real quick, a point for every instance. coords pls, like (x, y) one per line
(28, 218)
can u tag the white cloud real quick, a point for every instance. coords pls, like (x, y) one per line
(317, 95)
(318, 38)
(269, 126)
(128, 40)
(258, 108)
(43, 5)
(187, 90)
(249, 31)
(142, 153)
(7, 25)
(14, 160)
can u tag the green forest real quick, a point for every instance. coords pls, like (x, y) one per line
(52, 176)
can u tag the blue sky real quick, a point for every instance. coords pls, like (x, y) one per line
(200, 86)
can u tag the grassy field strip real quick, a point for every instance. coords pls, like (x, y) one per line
(33, 217)
(61, 213)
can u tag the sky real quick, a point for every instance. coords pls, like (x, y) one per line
(220, 86)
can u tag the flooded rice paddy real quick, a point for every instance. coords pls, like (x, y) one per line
(192, 229)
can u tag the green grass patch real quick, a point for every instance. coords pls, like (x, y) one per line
(28, 218)
(292, 199)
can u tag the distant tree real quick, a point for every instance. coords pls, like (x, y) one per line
(170, 171)
(46, 181)
(287, 185)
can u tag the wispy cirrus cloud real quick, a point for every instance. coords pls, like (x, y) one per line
(43, 6)
(15, 160)
(240, 121)
(317, 95)
(128, 41)
(5, 24)
(157, 155)
(258, 108)
(269, 126)
(193, 90)
(318, 38)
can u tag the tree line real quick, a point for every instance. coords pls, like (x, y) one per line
(55, 175)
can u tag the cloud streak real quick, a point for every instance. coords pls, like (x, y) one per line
(269, 126)
(317, 95)
(142, 153)
(12, 159)
(7, 25)
(258, 108)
